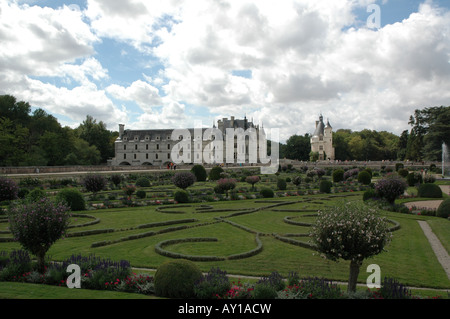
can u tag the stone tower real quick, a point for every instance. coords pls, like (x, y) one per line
(322, 140)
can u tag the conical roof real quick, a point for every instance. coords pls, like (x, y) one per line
(320, 128)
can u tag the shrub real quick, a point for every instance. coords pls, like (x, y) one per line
(176, 279)
(403, 172)
(38, 225)
(252, 180)
(392, 289)
(398, 166)
(281, 184)
(325, 186)
(351, 173)
(183, 179)
(141, 194)
(444, 209)
(267, 192)
(23, 192)
(200, 172)
(226, 184)
(212, 285)
(142, 182)
(369, 194)
(215, 172)
(94, 183)
(352, 231)
(116, 179)
(364, 177)
(36, 194)
(297, 180)
(320, 172)
(73, 198)
(129, 189)
(414, 178)
(181, 196)
(429, 179)
(429, 190)
(14, 264)
(8, 189)
(390, 187)
(264, 290)
(338, 175)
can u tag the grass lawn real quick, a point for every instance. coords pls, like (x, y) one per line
(235, 224)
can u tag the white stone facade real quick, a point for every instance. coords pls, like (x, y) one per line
(154, 147)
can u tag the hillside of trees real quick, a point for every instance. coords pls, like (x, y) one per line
(37, 139)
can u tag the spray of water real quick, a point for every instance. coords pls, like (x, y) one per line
(445, 161)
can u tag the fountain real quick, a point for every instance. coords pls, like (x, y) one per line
(445, 161)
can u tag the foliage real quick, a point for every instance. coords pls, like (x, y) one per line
(116, 179)
(350, 231)
(252, 180)
(38, 225)
(181, 196)
(266, 192)
(390, 187)
(129, 189)
(8, 189)
(200, 172)
(444, 209)
(142, 182)
(141, 194)
(429, 190)
(267, 287)
(369, 194)
(338, 175)
(183, 179)
(73, 198)
(281, 184)
(364, 177)
(392, 289)
(403, 172)
(226, 184)
(414, 179)
(351, 173)
(325, 186)
(36, 194)
(176, 279)
(215, 172)
(297, 180)
(311, 288)
(14, 264)
(212, 285)
(94, 183)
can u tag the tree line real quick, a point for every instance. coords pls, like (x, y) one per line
(38, 139)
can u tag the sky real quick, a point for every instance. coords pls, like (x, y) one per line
(362, 64)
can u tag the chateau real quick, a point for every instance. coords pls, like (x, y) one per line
(322, 140)
(155, 147)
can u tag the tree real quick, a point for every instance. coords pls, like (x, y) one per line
(94, 183)
(298, 147)
(351, 231)
(226, 184)
(252, 180)
(183, 179)
(38, 225)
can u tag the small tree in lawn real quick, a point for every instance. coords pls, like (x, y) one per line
(94, 183)
(252, 180)
(391, 187)
(38, 225)
(183, 179)
(226, 184)
(351, 231)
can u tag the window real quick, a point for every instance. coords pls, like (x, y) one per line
(168, 146)
(124, 147)
(146, 146)
(124, 156)
(156, 156)
(135, 147)
(168, 155)
(157, 146)
(320, 148)
(134, 156)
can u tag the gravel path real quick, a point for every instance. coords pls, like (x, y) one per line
(439, 250)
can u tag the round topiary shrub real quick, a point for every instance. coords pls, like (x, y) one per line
(444, 209)
(325, 186)
(73, 198)
(281, 184)
(414, 178)
(183, 179)
(215, 172)
(181, 196)
(430, 190)
(36, 194)
(266, 193)
(403, 172)
(200, 172)
(364, 177)
(141, 194)
(390, 187)
(8, 189)
(142, 182)
(338, 175)
(297, 180)
(176, 279)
